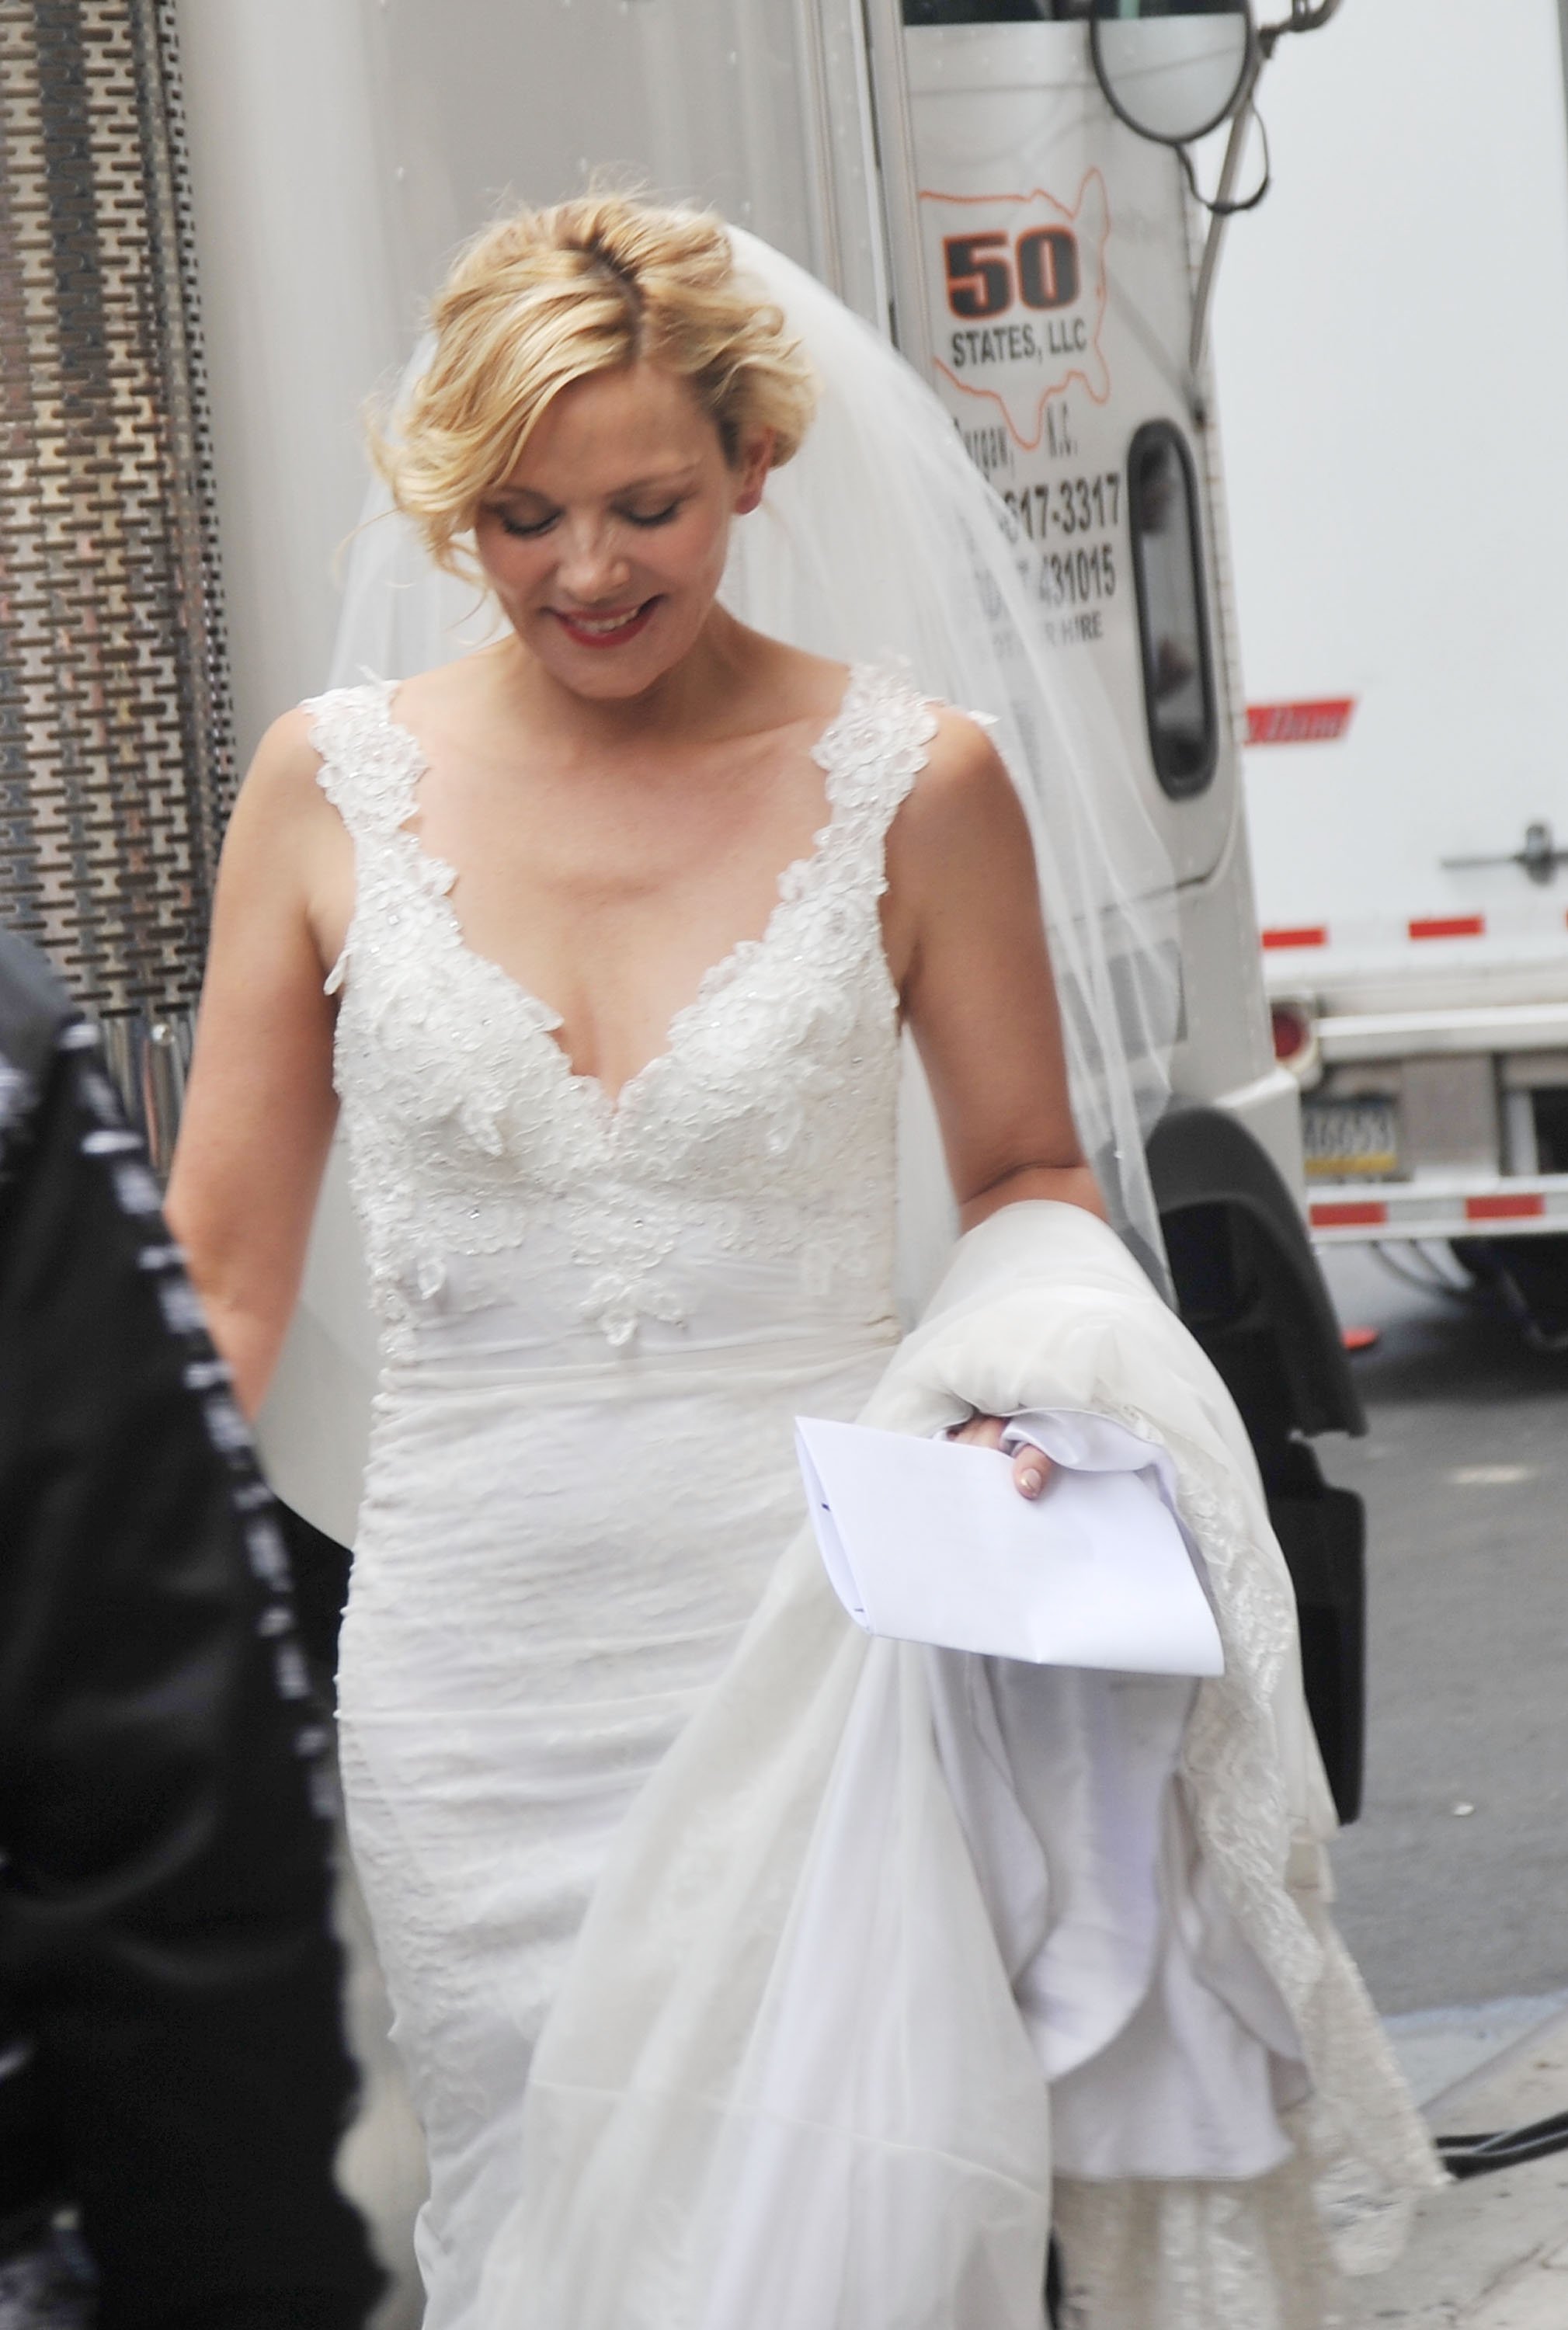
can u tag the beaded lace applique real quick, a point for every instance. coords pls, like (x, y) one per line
(767, 1120)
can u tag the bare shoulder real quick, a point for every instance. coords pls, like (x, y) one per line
(959, 858)
(287, 760)
(962, 758)
(963, 799)
(280, 805)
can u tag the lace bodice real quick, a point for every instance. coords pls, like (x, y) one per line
(763, 1135)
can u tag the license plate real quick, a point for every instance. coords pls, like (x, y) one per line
(1350, 1140)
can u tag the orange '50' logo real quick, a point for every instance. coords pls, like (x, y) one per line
(988, 273)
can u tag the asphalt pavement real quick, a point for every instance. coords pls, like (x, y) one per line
(1454, 1884)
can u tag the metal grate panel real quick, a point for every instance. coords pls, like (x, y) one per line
(116, 761)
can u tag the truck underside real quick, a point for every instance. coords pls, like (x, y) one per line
(1434, 1075)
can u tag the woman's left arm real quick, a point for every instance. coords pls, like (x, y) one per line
(966, 943)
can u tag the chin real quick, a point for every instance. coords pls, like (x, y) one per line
(610, 675)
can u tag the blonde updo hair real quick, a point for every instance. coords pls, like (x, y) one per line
(548, 297)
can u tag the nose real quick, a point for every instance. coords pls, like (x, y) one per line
(593, 566)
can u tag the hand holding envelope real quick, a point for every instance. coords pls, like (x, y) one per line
(929, 1541)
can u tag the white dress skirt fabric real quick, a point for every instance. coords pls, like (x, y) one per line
(751, 1974)
(517, 1663)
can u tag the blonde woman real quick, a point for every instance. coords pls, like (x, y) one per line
(603, 936)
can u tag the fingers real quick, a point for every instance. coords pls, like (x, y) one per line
(980, 1432)
(1031, 1469)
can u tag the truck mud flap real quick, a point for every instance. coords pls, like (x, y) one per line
(1249, 1287)
(1322, 1533)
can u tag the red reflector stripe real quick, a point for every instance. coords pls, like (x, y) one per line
(1310, 934)
(1449, 927)
(1317, 723)
(1524, 1207)
(1358, 1213)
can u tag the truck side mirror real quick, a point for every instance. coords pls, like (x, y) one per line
(1173, 69)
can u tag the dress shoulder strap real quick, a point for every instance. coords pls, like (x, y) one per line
(370, 765)
(873, 751)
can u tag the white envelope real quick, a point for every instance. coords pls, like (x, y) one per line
(929, 1541)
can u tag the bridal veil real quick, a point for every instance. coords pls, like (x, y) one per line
(880, 537)
(787, 2082)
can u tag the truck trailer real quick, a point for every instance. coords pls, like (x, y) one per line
(1391, 338)
(223, 223)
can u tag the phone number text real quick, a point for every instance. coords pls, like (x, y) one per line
(1067, 505)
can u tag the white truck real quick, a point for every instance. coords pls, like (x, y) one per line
(200, 295)
(1392, 345)
(218, 290)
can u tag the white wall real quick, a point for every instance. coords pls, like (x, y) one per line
(300, 313)
(341, 148)
(1392, 338)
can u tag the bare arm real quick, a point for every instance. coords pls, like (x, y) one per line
(967, 944)
(261, 1106)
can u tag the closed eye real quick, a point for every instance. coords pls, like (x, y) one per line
(529, 529)
(524, 528)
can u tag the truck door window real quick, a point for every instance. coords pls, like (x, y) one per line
(1179, 677)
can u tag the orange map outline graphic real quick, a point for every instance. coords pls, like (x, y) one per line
(1091, 244)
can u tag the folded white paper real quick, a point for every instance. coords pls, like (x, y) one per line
(929, 1541)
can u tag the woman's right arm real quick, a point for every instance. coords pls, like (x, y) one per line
(260, 1108)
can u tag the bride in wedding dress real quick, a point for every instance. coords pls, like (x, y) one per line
(749, 1975)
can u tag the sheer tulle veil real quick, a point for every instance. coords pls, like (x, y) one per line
(784, 2079)
(881, 538)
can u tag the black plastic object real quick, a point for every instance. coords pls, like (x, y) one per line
(1246, 1276)
(320, 1567)
(1465, 2156)
(1322, 1533)
(1247, 1286)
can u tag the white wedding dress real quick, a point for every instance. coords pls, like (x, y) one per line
(599, 1322)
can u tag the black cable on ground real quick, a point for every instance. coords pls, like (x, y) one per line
(1506, 2147)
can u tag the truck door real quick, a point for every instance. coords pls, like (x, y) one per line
(1055, 303)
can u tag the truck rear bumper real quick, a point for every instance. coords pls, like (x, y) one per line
(1348, 1213)
(1358, 1035)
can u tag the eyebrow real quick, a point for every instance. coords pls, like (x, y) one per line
(670, 482)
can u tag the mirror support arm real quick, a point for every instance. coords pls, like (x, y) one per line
(1306, 16)
(1213, 241)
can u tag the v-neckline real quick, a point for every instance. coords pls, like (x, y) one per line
(539, 1017)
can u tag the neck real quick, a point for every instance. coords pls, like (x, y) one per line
(675, 703)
